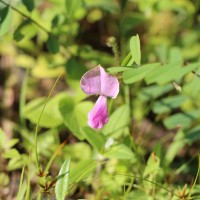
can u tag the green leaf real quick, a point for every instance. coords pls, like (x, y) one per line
(193, 135)
(18, 35)
(168, 104)
(75, 115)
(120, 151)
(162, 72)
(28, 189)
(135, 49)
(74, 149)
(53, 44)
(11, 153)
(128, 60)
(20, 190)
(73, 6)
(177, 144)
(5, 20)
(110, 6)
(176, 73)
(175, 55)
(82, 170)
(169, 72)
(118, 121)
(29, 4)
(182, 119)
(114, 70)
(3, 13)
(51, 116)
(193, 87)
(61, 188)
(97, 140)
(152, 166)
(136, 74)
(154, 91)
(2, 139)
(12, 142)
(17, 162)
(75, 69)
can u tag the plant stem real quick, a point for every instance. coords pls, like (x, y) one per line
(38, 123)
(26, 16)
(195, 178)
(112, 43)
(129, 187)
(54, 156)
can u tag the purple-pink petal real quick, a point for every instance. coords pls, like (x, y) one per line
(109, 84)
(97, 81)
(91, 81)
(98, 116)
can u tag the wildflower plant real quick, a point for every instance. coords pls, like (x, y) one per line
(98, 82)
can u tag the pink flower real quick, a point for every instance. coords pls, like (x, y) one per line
(98, 82)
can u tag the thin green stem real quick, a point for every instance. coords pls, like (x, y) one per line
(194, 183)
(26, 16)
(54, 156)
(38, 123)
(128, 101)
(20, 184)
(127, 95)
(39, 196)
(129, 187)
(112, 43)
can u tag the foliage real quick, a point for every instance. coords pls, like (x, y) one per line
(149, 147)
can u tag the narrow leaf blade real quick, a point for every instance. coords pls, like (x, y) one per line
(61, 187)
(135, 49)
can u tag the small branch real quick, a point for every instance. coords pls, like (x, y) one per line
(26, 16)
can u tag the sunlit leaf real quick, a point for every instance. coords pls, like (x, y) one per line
(136, 74)
(75, 115)
(81, 170)
(12, 153)
(128, 60)
(61, 188)
(152, 166)
(97, 140)
(120, 151)
(114, 70)
(5, 20)
(176, 145)
(135, 49)
(18, 35)
(51, 116)
(119, 119)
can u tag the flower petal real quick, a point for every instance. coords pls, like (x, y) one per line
(98, 116)
(109, 84)
(91, 81)
(97, 81)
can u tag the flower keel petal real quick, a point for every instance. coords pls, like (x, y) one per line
(98, 116)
